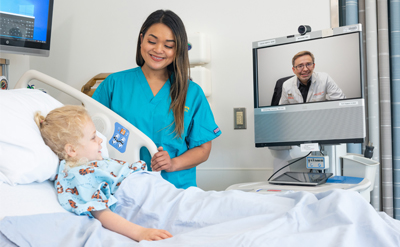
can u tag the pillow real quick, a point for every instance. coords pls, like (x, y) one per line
(24, 157)
(104, 150)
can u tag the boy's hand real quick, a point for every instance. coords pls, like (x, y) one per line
(151, 234)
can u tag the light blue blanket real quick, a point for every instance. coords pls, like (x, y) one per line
(230, 218)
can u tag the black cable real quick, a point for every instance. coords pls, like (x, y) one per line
(320, 151)
(288, 165)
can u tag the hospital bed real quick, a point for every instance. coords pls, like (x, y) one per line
(31, 216)
(103, 119)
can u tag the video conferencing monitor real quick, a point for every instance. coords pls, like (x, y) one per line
(333, 110)
(25, 26)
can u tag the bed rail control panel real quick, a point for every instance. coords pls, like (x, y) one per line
(120, 137)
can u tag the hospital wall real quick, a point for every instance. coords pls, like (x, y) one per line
(99, 36)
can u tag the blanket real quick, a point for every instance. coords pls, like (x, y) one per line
(209, 218)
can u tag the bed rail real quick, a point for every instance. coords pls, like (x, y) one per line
(104, 119)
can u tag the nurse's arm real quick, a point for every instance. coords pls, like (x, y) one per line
(189, 159)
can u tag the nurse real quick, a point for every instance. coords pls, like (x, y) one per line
(159, 99)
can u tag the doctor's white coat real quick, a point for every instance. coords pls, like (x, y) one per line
(322, 88)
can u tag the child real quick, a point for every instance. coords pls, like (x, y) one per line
(85, 182)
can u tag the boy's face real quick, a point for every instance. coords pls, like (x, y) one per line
(90, 144)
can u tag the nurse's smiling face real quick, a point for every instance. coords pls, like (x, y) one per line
(158, 47)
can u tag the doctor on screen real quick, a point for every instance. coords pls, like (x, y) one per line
(307, 85)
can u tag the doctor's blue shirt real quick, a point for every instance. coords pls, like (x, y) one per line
(129, 95)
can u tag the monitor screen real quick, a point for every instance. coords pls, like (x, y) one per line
(25, 26)
(309, 88)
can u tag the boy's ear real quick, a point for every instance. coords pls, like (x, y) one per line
(70, 150)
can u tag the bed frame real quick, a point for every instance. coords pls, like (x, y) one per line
(103, 118)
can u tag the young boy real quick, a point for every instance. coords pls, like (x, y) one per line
(86, 182)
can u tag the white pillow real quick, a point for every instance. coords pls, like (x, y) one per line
(104, 150)
(24, 157)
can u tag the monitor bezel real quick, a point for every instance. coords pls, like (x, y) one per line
(26, 47)
(311, 36)
(273, 42)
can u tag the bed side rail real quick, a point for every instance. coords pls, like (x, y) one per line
(104, 119)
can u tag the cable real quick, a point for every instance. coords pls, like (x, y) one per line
(289, 165)
(320, 151)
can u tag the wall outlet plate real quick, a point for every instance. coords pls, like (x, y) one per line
(239, 118)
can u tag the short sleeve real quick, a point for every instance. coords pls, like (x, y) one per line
(77, 194)
(202, 127)
(138, 166)
(103, 93)
(84, 205)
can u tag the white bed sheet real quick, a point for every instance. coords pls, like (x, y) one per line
(34, 198)
(229, 218)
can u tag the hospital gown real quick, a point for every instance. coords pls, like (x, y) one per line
(90, 187)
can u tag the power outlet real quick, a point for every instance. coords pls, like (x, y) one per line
(239, 118)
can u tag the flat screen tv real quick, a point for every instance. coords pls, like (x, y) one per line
(321, 116)
(25, 26)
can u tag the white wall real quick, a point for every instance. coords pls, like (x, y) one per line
(97, 36)
(18, 65)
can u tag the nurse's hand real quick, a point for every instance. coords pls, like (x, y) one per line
(161, 161)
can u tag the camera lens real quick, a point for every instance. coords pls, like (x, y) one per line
(303, 29)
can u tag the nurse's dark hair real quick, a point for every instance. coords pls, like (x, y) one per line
(178, 70)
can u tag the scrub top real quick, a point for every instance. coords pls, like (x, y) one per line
(129, 95)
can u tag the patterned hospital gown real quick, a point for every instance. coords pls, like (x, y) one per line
(91, 187)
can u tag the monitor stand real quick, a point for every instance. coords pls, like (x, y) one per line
(285, 156)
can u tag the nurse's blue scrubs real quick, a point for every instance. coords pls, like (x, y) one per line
(129, 95)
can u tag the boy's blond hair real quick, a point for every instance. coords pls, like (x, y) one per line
(62, 126)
